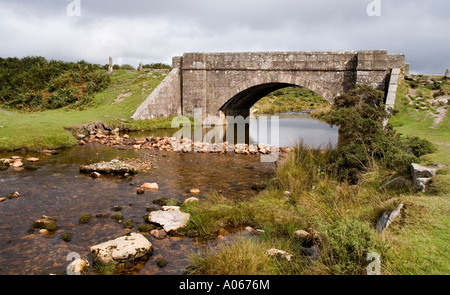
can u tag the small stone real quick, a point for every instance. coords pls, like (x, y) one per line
(191, 199)
(77, 266)
(17, 163)
(85, 218)
(66, 237)
(43, 231)
(136, 146)
(147, 185)
(95, 174)
(220, 238)
(14, 195)
(158, 233)
(302, 234)
(194, 191)
(128, 224)
(140, 191)
(161, 262)
(276, 252)
(287, 193)
(2, 199)
(32, 159)
(117, 208)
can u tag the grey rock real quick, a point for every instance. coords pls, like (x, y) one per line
(123, 249)
(170, 218)
(418, 171)
(113, 166)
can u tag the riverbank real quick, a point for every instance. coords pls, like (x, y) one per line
(113, 107)
(319, 225)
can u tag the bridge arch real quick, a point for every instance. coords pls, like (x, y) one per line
(247, 93)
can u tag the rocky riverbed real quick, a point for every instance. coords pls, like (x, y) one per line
(89, 211)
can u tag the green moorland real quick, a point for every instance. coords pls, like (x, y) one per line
(40, 128)
(337, 194)
(290, 99)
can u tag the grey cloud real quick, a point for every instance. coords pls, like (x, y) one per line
(157, 30)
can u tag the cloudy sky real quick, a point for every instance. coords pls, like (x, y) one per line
(153, 31)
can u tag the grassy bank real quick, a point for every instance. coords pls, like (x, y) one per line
(291, 99)
(113, 106)
(304, 195)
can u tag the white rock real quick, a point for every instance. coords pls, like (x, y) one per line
(148, 185)
(276, 252)
(77, 266)
(170, 218)
(122, 249)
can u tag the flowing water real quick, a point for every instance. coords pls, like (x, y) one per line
(54, 187)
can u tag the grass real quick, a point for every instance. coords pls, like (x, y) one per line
(46, 130)
(290, 99)
(344, 215)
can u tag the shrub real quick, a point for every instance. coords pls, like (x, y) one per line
(364, 140)
(33, 83)
(346, 244)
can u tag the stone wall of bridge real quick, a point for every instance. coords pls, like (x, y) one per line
(230, 83)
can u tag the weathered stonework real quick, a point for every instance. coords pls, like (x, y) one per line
(230, 83)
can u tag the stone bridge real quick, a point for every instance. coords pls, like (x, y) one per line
(228, 84)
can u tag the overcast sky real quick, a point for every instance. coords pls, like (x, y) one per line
(153, 31)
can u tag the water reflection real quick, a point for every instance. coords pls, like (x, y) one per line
(283, 130)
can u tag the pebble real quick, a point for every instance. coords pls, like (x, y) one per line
(191, 199)
(148, 185)
(194, 191)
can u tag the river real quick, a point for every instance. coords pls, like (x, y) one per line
(54, 187)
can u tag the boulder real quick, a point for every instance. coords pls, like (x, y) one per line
(420, 184)
(170, 218)
(418, 171)
(386, 219)
(421, 176)
(398, 183)
(111, 167)
(123, 249)
(447, 74)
